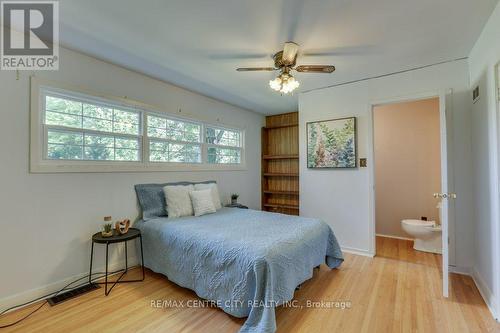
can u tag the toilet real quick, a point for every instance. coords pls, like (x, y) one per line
(427, 235)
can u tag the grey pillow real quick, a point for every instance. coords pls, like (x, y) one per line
(152, 199)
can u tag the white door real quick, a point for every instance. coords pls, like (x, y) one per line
(447, 196)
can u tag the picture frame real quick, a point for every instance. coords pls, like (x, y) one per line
(332, 144)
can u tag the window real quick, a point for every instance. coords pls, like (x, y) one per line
(173, 140)
(75, 132)
(85, 130)
(223, 145)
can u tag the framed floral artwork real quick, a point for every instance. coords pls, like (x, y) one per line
(332, 143)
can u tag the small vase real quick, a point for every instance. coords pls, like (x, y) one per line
(107, 234)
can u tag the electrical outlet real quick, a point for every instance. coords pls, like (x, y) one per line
(362, 162)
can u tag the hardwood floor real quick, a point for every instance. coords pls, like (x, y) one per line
(397, 291)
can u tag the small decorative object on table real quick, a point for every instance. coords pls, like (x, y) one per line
(107, 227)
(122, 226)
(237, 205)
(234, 198)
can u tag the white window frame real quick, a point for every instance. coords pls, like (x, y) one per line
(208, 145)
(89, 100)
(169, 117)
(38, 134)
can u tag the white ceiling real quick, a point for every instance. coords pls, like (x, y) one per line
(198, 44)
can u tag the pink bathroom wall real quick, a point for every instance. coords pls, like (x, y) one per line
(407, 163)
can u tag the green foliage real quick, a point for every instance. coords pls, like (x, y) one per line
(332, 144)
(107, 227)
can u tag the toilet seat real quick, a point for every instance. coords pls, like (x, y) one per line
(420, 223)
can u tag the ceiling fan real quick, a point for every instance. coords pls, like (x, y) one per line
(285, 61)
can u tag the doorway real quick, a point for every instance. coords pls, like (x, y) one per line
(409, 174)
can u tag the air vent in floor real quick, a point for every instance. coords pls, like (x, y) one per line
(72, 294)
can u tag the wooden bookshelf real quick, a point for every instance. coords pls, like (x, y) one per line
(282, 206)
(280, 164)
(280, 157)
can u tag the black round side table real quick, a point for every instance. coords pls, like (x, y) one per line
(132, 233)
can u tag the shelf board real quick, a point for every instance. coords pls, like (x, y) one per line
(280, 157)
(281, 206)
(281, 192)
(280, 126)
(281, 174)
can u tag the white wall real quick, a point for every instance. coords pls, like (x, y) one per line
(47, 219)
(482, 60)
(341, 197)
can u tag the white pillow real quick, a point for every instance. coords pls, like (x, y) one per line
(202, 202)
(214, 193)
(178, 200)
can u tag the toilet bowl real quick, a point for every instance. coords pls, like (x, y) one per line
(427, 235)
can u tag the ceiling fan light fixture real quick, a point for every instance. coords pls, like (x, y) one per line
(284, 83)
(275, 84)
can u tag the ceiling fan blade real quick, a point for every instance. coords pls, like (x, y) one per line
(290, 53)
(315, 69)
(254, 69)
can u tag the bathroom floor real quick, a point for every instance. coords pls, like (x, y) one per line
(400, 249)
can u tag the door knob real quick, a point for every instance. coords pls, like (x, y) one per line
(445, 195)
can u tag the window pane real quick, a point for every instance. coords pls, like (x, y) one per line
(80, 142)
(99, 153)
(224, 155)
(126, 128)
(174, 130)
(68, 113)
(63, 119)
(62, 105)
(128, 117)
(223, 137)
(157, 122)
(64, 152)
(172, 152)
(99, 140)
(95, 111)
(98, 124)
(127, 143)
(126, 155)
(68, 138)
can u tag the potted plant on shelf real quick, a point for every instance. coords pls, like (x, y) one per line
(234, 198)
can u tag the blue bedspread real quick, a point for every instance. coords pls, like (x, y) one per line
(246, 261)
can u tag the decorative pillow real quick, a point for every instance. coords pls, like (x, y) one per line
(178, 201)
(202, 202)
(152, 198)
(214, 192)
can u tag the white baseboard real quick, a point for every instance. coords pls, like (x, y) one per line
(488, 296)
(460, 270)
(395, 237)
(358, 252)
(53, 287)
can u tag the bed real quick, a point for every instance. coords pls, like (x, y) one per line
(246, 261)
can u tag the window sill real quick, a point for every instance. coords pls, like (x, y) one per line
(125, 167)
